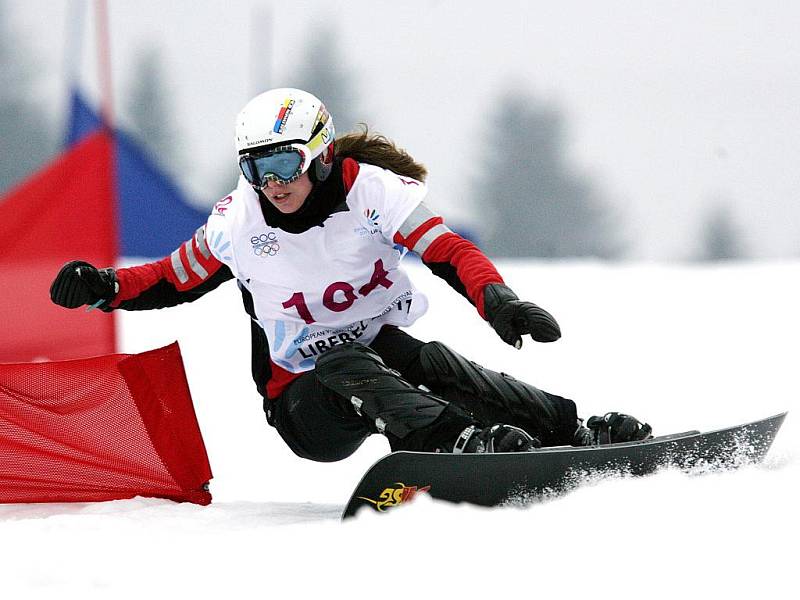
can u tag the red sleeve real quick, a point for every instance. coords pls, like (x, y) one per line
(188, 267)
(472, 266)
(457, 260)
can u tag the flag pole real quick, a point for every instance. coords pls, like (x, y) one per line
(107, 117)
(73, 55)
(104, 62)
(74, 43)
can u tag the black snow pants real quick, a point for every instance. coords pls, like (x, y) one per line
(355, 391)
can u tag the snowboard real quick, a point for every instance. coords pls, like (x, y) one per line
(520, 477)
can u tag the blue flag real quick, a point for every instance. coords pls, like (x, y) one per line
(154, 216)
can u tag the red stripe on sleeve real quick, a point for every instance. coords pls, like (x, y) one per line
(473, 268)
(412, 239)
(135, 280)
(210, 265)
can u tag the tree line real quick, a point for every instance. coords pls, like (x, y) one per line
(533, 200)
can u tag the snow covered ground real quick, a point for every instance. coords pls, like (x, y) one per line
(682, 347)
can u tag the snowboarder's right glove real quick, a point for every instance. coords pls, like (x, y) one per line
(79, 283)
(512, 318)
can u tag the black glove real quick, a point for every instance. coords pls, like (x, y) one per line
(79, 283)
(512, 318)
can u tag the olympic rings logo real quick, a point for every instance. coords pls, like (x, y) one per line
(265, 244)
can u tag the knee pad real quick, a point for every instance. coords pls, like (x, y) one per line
(358, 375)
(347, 359)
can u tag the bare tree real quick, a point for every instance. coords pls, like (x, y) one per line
(324, 73)
(539, 204)
(26, 138)
(720, 236)
(149, 114)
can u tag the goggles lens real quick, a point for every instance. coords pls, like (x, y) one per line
(284, 166)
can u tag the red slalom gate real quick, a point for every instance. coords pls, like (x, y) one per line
(66, 211)
(103, 428)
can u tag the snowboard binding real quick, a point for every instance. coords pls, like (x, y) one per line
(497, 438)
(611, 428)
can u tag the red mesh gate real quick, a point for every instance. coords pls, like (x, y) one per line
(102, 428)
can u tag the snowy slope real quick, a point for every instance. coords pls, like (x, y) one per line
(681, 347)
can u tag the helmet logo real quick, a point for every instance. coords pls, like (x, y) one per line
(322, 117)
(283, 115)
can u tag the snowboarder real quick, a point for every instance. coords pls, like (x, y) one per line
(314, 234)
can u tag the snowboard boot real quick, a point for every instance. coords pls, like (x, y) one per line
(497, 438)
(611, 428)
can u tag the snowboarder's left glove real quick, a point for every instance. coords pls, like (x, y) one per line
(512, 318)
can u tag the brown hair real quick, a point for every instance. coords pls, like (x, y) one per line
(380, 151)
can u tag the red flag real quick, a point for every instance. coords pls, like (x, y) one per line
(64, 212)
(102, 428)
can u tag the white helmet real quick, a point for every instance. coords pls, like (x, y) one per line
(281, 133)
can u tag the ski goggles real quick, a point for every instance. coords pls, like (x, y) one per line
(283, 164)
(288, 162)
